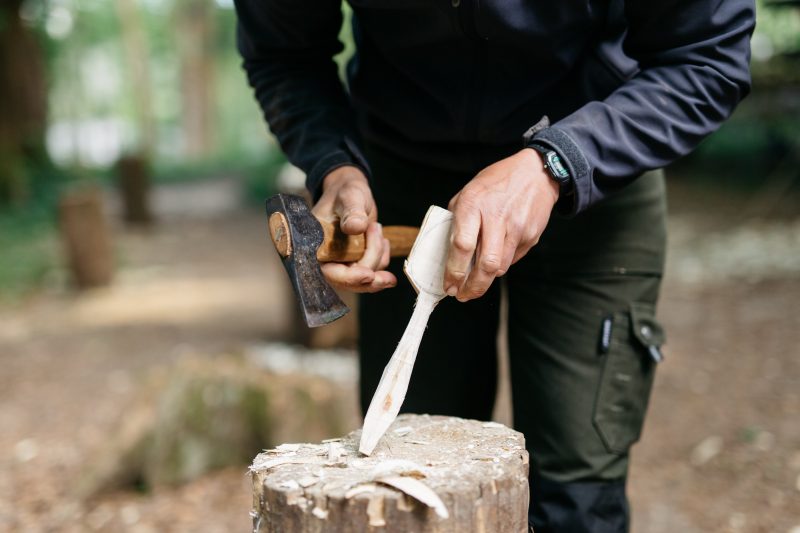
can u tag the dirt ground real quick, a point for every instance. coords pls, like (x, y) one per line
(720, 450)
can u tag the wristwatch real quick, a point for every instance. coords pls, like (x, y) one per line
(555, 167)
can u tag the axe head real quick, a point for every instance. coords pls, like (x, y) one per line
(297, 235)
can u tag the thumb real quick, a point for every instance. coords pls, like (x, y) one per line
(353, 206)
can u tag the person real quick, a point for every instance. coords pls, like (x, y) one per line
(542, 126)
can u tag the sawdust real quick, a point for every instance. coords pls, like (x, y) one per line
(424, 457)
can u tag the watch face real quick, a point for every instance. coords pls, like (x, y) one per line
(556, 166)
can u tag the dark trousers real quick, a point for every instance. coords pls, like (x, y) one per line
(582, 335)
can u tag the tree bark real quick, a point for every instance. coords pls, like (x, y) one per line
(195, 24)
(477, 471)
(86, 238)
(133, 177)
(23, 102)
(134, 40)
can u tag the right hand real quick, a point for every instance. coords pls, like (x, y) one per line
(346, 195)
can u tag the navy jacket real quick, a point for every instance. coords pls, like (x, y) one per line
(628, 85)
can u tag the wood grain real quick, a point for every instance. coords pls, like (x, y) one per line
(339, 247)
(430, 474)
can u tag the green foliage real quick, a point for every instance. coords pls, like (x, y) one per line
(28, 252)
(780, 25)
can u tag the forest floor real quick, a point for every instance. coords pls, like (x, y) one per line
(720, 450)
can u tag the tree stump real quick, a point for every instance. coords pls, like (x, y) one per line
(428, 474)
(134, 187)
(86, 237)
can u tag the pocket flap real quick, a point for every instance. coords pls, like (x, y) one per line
(644, 325)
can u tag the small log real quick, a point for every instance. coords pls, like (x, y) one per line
(428, 474)
(86, 238)
(134, 187)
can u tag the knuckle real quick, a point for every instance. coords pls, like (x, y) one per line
(457, 275)
(476, 291)
(490, 263)
(514, 228)
(463, 243)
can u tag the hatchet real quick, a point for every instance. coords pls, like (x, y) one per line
(303, 242)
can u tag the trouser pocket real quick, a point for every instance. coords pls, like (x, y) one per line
(630, 343)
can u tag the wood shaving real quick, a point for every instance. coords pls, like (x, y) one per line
(419, 491)
(375, 511)
(278, 461)
(360, 489)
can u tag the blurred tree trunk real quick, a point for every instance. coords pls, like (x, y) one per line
(23, 102)
(133, 177)
(137, 57)
(195, 24)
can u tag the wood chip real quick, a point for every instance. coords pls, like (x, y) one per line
(398, 467)
(402, 431)
(290, 484)
(288, 447)
(419, 491)
(307, 481)
(493, 425)
(366, 488)
(375, 511)
(322, 514)
(278, 461)
(334, 452)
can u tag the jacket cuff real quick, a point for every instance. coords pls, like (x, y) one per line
(346, 154)
(572, 156)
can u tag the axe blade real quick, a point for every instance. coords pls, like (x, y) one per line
(318, 301)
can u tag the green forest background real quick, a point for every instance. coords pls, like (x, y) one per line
(86, 82)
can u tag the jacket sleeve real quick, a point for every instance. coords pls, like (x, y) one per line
(694, 58)
(288, 48)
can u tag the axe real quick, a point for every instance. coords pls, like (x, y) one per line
(304, 241)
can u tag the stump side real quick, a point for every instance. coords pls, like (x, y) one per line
(479, 471)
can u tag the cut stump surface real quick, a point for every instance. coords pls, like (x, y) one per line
(428, 474)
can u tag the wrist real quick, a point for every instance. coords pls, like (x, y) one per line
(554, 167)
(536, 161)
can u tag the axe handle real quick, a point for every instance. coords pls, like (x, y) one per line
(339, 247)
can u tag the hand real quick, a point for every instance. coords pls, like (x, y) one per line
(346, 196)
(498, 217)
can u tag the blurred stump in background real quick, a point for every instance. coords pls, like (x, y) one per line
(86, 238)
(133, 181)
(208, 414)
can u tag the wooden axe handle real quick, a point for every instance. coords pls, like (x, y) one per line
(339, 247)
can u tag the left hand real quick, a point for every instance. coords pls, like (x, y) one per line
(498, 217)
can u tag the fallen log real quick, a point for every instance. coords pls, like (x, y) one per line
(428, 474)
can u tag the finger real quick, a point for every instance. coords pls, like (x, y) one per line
(343, 276)
(489, 262)
(463, 241)
(383, 280)
(353, 206)
(509, 254)
(373, 249)
(523, 249)
(387, 254)
(356, 278)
